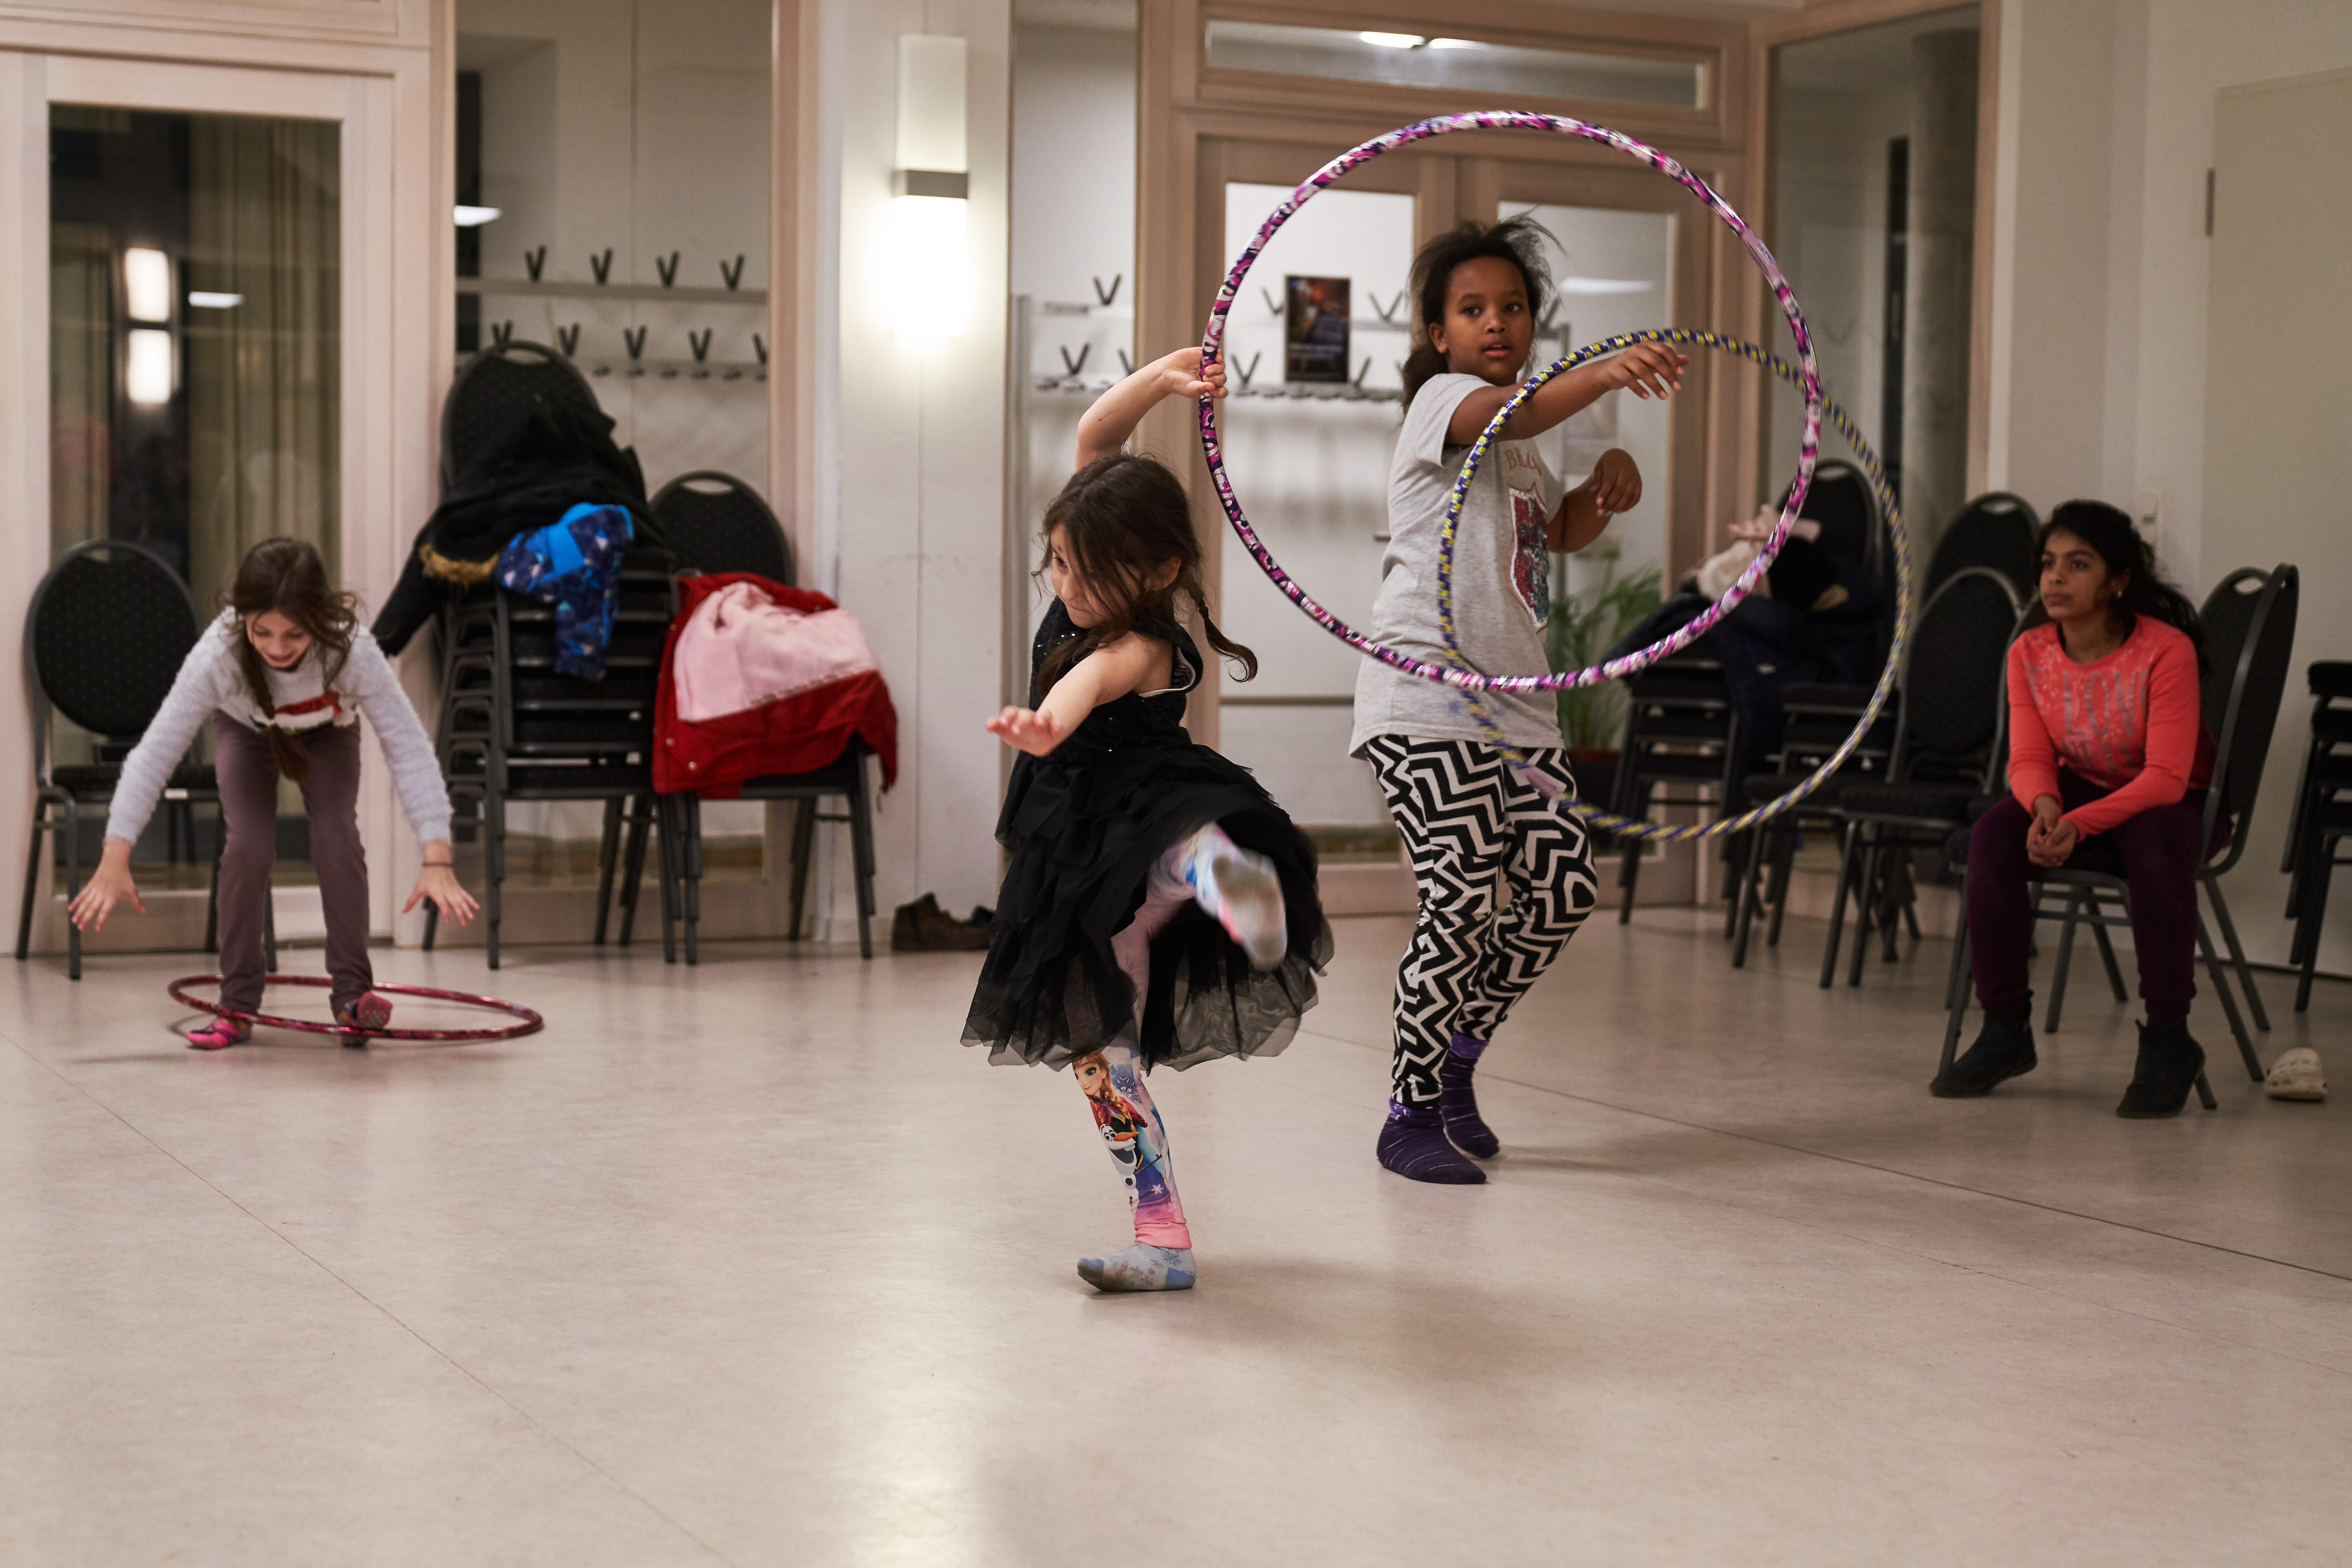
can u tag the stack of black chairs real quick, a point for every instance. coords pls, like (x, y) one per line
(2323, 818)
(1681, 748)
(513, 727)
(105, 636)
(716, 523)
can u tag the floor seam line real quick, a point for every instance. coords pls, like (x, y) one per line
(1881, 1170)
(391, 1317)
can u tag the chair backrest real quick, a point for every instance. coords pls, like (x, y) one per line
(107, 632)
(1954, 674)
(2227, 618)
(496, 386)
(2257, 685)
(1996, 529)
(716, 523)
(1839, 500)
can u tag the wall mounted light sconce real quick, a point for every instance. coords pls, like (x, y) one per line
(927, 259)
(475, 217)
(148, 371)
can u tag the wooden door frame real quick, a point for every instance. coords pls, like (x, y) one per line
(1187, 113)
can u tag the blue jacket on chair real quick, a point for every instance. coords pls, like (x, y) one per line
(573, 564)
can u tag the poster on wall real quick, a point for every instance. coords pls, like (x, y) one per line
(1315, 330)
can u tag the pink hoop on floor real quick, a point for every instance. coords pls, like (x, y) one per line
(532, 1022)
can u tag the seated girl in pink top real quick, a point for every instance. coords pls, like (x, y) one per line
(2108, 761)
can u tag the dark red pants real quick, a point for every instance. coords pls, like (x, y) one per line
(2156, 851)
(248, 792)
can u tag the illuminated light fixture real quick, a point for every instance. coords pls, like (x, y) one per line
(926, 250)
(147, 372)
(475, 217)
(1393, 40)
(1603, 286)
(1452, 43)
(147, 284)
(200, 300)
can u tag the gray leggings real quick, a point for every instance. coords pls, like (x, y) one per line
(248, 792)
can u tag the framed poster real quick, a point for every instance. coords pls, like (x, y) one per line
(1315, 330)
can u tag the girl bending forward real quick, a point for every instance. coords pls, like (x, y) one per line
(285, 672)
(1159, 909)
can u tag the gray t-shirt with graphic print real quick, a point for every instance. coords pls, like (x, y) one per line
(1502, 582)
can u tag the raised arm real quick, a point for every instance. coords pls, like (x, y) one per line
(1103, 432)
(1650, 369)
(1104, 674)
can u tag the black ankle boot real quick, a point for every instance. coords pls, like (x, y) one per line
(2169, 1062)
(2004, 1049)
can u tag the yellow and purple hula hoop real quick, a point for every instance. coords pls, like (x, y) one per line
(1456, 672)
(531, 1024)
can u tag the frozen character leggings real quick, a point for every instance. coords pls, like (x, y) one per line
(248, 793)
(1112, 1078)
(1468, 818)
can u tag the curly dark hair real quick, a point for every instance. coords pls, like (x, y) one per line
(1518, 240)
(2109, 532)
(1123, 519)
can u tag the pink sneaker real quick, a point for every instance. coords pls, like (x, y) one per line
(363, 1015)
(218, 1035)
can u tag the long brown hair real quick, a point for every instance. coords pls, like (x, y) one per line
(1123, 519)
(287, 576)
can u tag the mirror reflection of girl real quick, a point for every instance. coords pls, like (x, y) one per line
(1467, 813)
(284, 673)
(2108, 761)
(1159, 909)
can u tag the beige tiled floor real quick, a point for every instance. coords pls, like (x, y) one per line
(751, 1263)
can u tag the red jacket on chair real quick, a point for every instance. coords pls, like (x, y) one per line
(795, 733)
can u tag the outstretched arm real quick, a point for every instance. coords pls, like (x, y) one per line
(1102, 675)
(1652, 370)
(1104, 430)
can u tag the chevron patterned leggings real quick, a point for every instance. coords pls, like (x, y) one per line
(1469, 820)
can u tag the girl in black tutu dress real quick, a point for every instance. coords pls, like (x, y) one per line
(1159, 909)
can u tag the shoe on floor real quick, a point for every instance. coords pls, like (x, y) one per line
(1142, 1266)
(218, 1035)
(2004, 1050)
(2297, 1074)
(2171, 1061)
(924, 927)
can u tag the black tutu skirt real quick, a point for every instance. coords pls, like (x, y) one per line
(1085, 825)
(1083, 842)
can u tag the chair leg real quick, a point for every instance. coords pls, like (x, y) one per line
(494, 855)
(1955, 999)
(861, 845)
(2065, 959)
(1739, 855)
(608, 856)
(1846, 853)
(1865, 898)
(1744, 905)
(689, 839)
(1628, 878)
(1784, 869)
(2237, 953)
(633, 869)
(669, 871)
(804, 841)
(2205, 1093)
(2229, 1000)
(32, 879)
(73, 886)
(2308, 925)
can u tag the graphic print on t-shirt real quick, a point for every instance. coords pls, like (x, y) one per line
(1530, 561)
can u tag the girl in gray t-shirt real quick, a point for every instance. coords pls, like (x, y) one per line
(1467, 813)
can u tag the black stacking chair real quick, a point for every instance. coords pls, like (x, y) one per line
(1996, 529)
(495, 385)
(1820, 718)
(1948, 751)
(2323, 818)
(716, 523)
(1681, 735)
(2249, 623)
(107, 632)
(515, 728)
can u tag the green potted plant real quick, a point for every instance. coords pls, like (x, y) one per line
(1584, 626)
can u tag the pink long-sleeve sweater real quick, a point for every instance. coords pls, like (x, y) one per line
(2133, 723)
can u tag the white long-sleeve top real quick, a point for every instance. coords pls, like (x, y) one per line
(210, 681)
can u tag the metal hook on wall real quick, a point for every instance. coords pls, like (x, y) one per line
(532, 260)
(668, 267)
(1248, 372)
(734, 275)
(760, 347)
(1387, 312)
(1126, 362)
(1107, 298)
(602, 266)
(700, 343)
(1073, 368)
(635, 337)
(568, 339)
(1272, 304)
(502, 332)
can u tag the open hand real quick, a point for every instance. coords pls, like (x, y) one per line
(108, 886)
(1649, 370)
(1615, 485)
(1026, 729)
(440, 884)
(1180, 375)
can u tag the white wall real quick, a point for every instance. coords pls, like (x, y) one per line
(911, 448)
